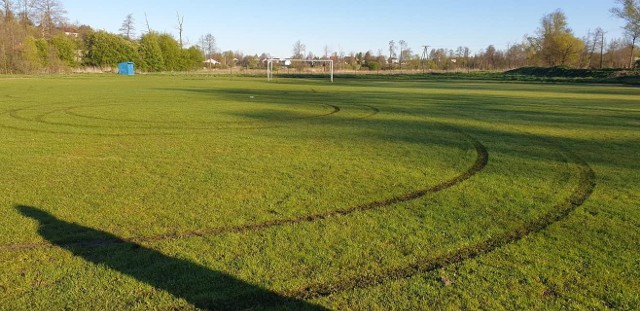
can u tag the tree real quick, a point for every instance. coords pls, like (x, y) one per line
(404, 52)
(366, 57)
(6, 7)
(171, 52)
(208, 43)
(555, 44)
(327, 51)
(193, 57)
(106, 49)
(48, 14)
(630, 12)
(594, 43)
(128, 27)
(25, 12)
(180, 28)
(463, 53)
(516, 56)
(30, 60)
(228, 58)
(146, 21)
(250, 62)
(490, 57)
(439, 58)
(299, 49)
(7, 38)
(65, 49)
(151, 53)
(50, 56)
(392, 51)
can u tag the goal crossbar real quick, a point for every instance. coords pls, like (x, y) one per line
(271, 61)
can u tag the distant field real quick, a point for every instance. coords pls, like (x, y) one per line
(187, 192)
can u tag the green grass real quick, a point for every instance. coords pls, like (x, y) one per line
(185, 192)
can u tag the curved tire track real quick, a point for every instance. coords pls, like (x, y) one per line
(334, 109)
(584, 188)
(480, 163)
(482, 159)
(41, 119)
(582, 191)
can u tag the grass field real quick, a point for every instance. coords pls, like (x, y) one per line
(186, 192)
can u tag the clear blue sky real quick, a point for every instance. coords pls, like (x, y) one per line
(256, 26)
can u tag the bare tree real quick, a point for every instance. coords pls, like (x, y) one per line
(146, 20)
(180, 28)
(403, 46)
(48, 14)
(404, 51)
(380, 57)
(630, 12)
(392, 50)
(299, 49)
(6, 35)
(327, 51)
(208, 43)
(7, 7)
(490, 57)
(594, 42)
(25, 11)
(128, 27)
(310, 56)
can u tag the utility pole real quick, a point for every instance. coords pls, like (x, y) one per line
(425, 56)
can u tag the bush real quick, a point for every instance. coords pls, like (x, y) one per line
(562, 72)
(373, 65)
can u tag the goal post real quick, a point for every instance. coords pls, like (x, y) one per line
(287, 62)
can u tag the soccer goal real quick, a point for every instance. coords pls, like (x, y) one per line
(288, 62)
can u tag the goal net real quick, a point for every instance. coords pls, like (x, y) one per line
(287, 62)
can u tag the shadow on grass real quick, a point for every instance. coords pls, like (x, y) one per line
(200, 286)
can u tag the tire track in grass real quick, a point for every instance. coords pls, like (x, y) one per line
(581, 192)
(481, 161)
(374, 111)
(39, 119)
(334, 109)
(584, 188)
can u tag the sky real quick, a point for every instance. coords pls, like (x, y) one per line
(257, 26)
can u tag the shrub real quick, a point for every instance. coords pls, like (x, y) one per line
(373, 65)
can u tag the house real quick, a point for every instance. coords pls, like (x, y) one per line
(211, 61)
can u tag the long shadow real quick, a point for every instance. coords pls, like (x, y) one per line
(200, 286)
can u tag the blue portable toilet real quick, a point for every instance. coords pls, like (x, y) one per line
(126, 68)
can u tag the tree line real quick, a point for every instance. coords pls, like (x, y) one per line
(35, 37)
(552, 44)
